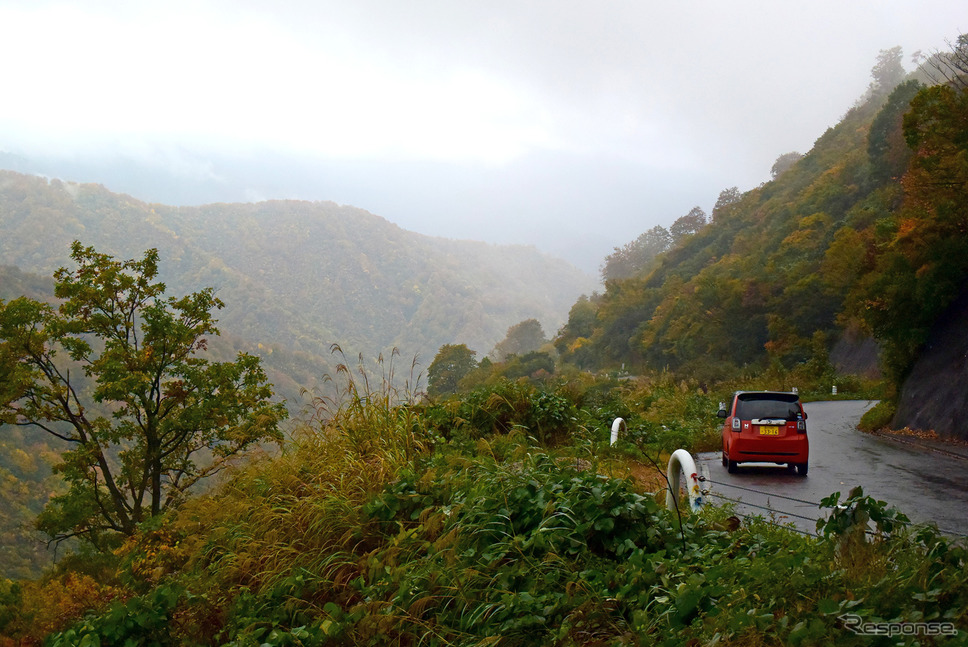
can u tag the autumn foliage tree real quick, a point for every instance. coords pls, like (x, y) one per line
(114, 371)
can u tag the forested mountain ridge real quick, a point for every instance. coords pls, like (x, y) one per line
(752, 276)
(296, 276)
(864, 237)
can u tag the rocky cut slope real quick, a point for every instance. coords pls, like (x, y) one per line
(934, 397)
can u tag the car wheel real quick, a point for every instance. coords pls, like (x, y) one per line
(802, 469)
(731, 467)
(725, 460)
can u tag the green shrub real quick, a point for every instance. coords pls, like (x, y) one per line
(877, 417)
(501, 408)
(138, 621)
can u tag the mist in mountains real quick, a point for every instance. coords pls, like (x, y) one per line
(298, 276)
(572, 127)
(544, 200)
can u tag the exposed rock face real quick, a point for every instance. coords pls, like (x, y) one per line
(935, 394)
(856, 354)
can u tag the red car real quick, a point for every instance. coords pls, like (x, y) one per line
(765, 427)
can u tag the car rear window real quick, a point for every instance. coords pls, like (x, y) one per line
(751, 406)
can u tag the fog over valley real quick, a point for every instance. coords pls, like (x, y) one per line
(568, 126)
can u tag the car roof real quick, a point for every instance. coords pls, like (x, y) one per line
(789, 396)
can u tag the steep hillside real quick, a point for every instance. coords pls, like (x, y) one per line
(863, 241)
(753, 284)
(14, 282)
(933, 397)
(297, 277)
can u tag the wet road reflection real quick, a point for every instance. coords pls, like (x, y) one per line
(924, 485)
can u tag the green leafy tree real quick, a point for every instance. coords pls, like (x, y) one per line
(636, 257)
(688, 224)
(783, 163)
(451, 364)
(522, 338)
(572, 341)
(533, 364)
(889, 153)
(725, 203)
(887, 71)
(582, 317)
(114, 371)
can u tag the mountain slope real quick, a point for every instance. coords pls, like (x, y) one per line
(297, 276)
(865, 237)
(750, 285)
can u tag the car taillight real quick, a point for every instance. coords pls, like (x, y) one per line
(801, 426)
(735, 424)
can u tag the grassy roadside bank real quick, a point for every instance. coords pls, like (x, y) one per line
(499, 518)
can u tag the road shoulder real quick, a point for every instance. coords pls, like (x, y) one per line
(926, 440)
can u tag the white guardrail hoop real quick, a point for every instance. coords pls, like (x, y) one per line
(682, 461)
(619, 424)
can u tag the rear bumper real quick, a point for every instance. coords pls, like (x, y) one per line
(781, 450)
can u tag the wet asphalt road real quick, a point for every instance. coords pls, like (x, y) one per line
(925, 485)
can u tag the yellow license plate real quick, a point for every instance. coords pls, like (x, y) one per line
(769, 431)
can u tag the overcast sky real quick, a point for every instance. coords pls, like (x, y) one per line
(572, 126)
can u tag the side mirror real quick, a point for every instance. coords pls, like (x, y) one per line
(721, 413)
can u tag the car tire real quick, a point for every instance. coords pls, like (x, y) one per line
(791, 467)
(802, 469)
(725, 460)
(731, 467)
